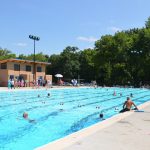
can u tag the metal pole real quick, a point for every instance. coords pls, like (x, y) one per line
(34, 74)
(34, 64)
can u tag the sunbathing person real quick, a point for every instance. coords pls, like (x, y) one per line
(127, 105)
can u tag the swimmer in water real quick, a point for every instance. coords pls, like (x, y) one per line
(131, 95)
(101, 116)
(26, 116)
(114, 94)
(97, 107)
(48, 95)
(116, 109)
(61, 103)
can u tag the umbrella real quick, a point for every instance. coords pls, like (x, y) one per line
(58, 75)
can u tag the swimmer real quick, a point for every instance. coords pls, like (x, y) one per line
(131, 95)
(61, 103)
(101, 116)
(116, 109)
(97, 107)
(38, 95)
(114, 94)
(25, 116)
(48, 95)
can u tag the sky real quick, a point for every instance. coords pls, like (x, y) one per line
(62, 23)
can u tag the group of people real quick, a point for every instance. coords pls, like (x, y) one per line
(42, 83)
(127, 106)
(114, 94)
(60, 82)
(12, 83)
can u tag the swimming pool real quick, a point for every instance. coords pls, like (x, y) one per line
(64, 112)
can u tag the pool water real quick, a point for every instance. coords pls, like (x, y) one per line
(65, 111)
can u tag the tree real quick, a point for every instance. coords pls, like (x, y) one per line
(147, 23)
(70, 62)
(6, 54)
(87, 65)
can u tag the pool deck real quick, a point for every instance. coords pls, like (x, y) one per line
(126, 131)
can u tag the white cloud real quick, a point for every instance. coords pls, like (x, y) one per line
(114, 29)
(87, 39)
(21, 44)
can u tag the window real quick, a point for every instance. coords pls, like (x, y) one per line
(39, 69)
(16, 67)
(4, 66)
(28, 68)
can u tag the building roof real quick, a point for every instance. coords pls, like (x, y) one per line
(24, 61)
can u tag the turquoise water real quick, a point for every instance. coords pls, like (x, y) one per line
(64, 112)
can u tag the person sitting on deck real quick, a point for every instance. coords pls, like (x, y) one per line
(127, 105)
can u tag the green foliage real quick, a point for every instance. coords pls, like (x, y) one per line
(6, 54)
(87, 65)
(127, 53)
(38, 57)
(147, 23)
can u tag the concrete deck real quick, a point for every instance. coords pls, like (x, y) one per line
(126, 131)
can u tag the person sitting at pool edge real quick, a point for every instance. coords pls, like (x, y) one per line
(127, 105)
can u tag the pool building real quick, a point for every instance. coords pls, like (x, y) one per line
(18, 69)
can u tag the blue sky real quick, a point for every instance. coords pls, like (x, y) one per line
(62, 23)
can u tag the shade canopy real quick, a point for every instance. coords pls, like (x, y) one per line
(58, 75)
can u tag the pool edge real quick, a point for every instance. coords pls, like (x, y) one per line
(74, 137)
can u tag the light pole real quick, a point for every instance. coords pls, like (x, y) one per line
(136, 57)
(34, 38)
(136, 52)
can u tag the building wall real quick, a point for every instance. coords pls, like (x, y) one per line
(3, 77)
(39, 74)
(48, 77)
(28, 75)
